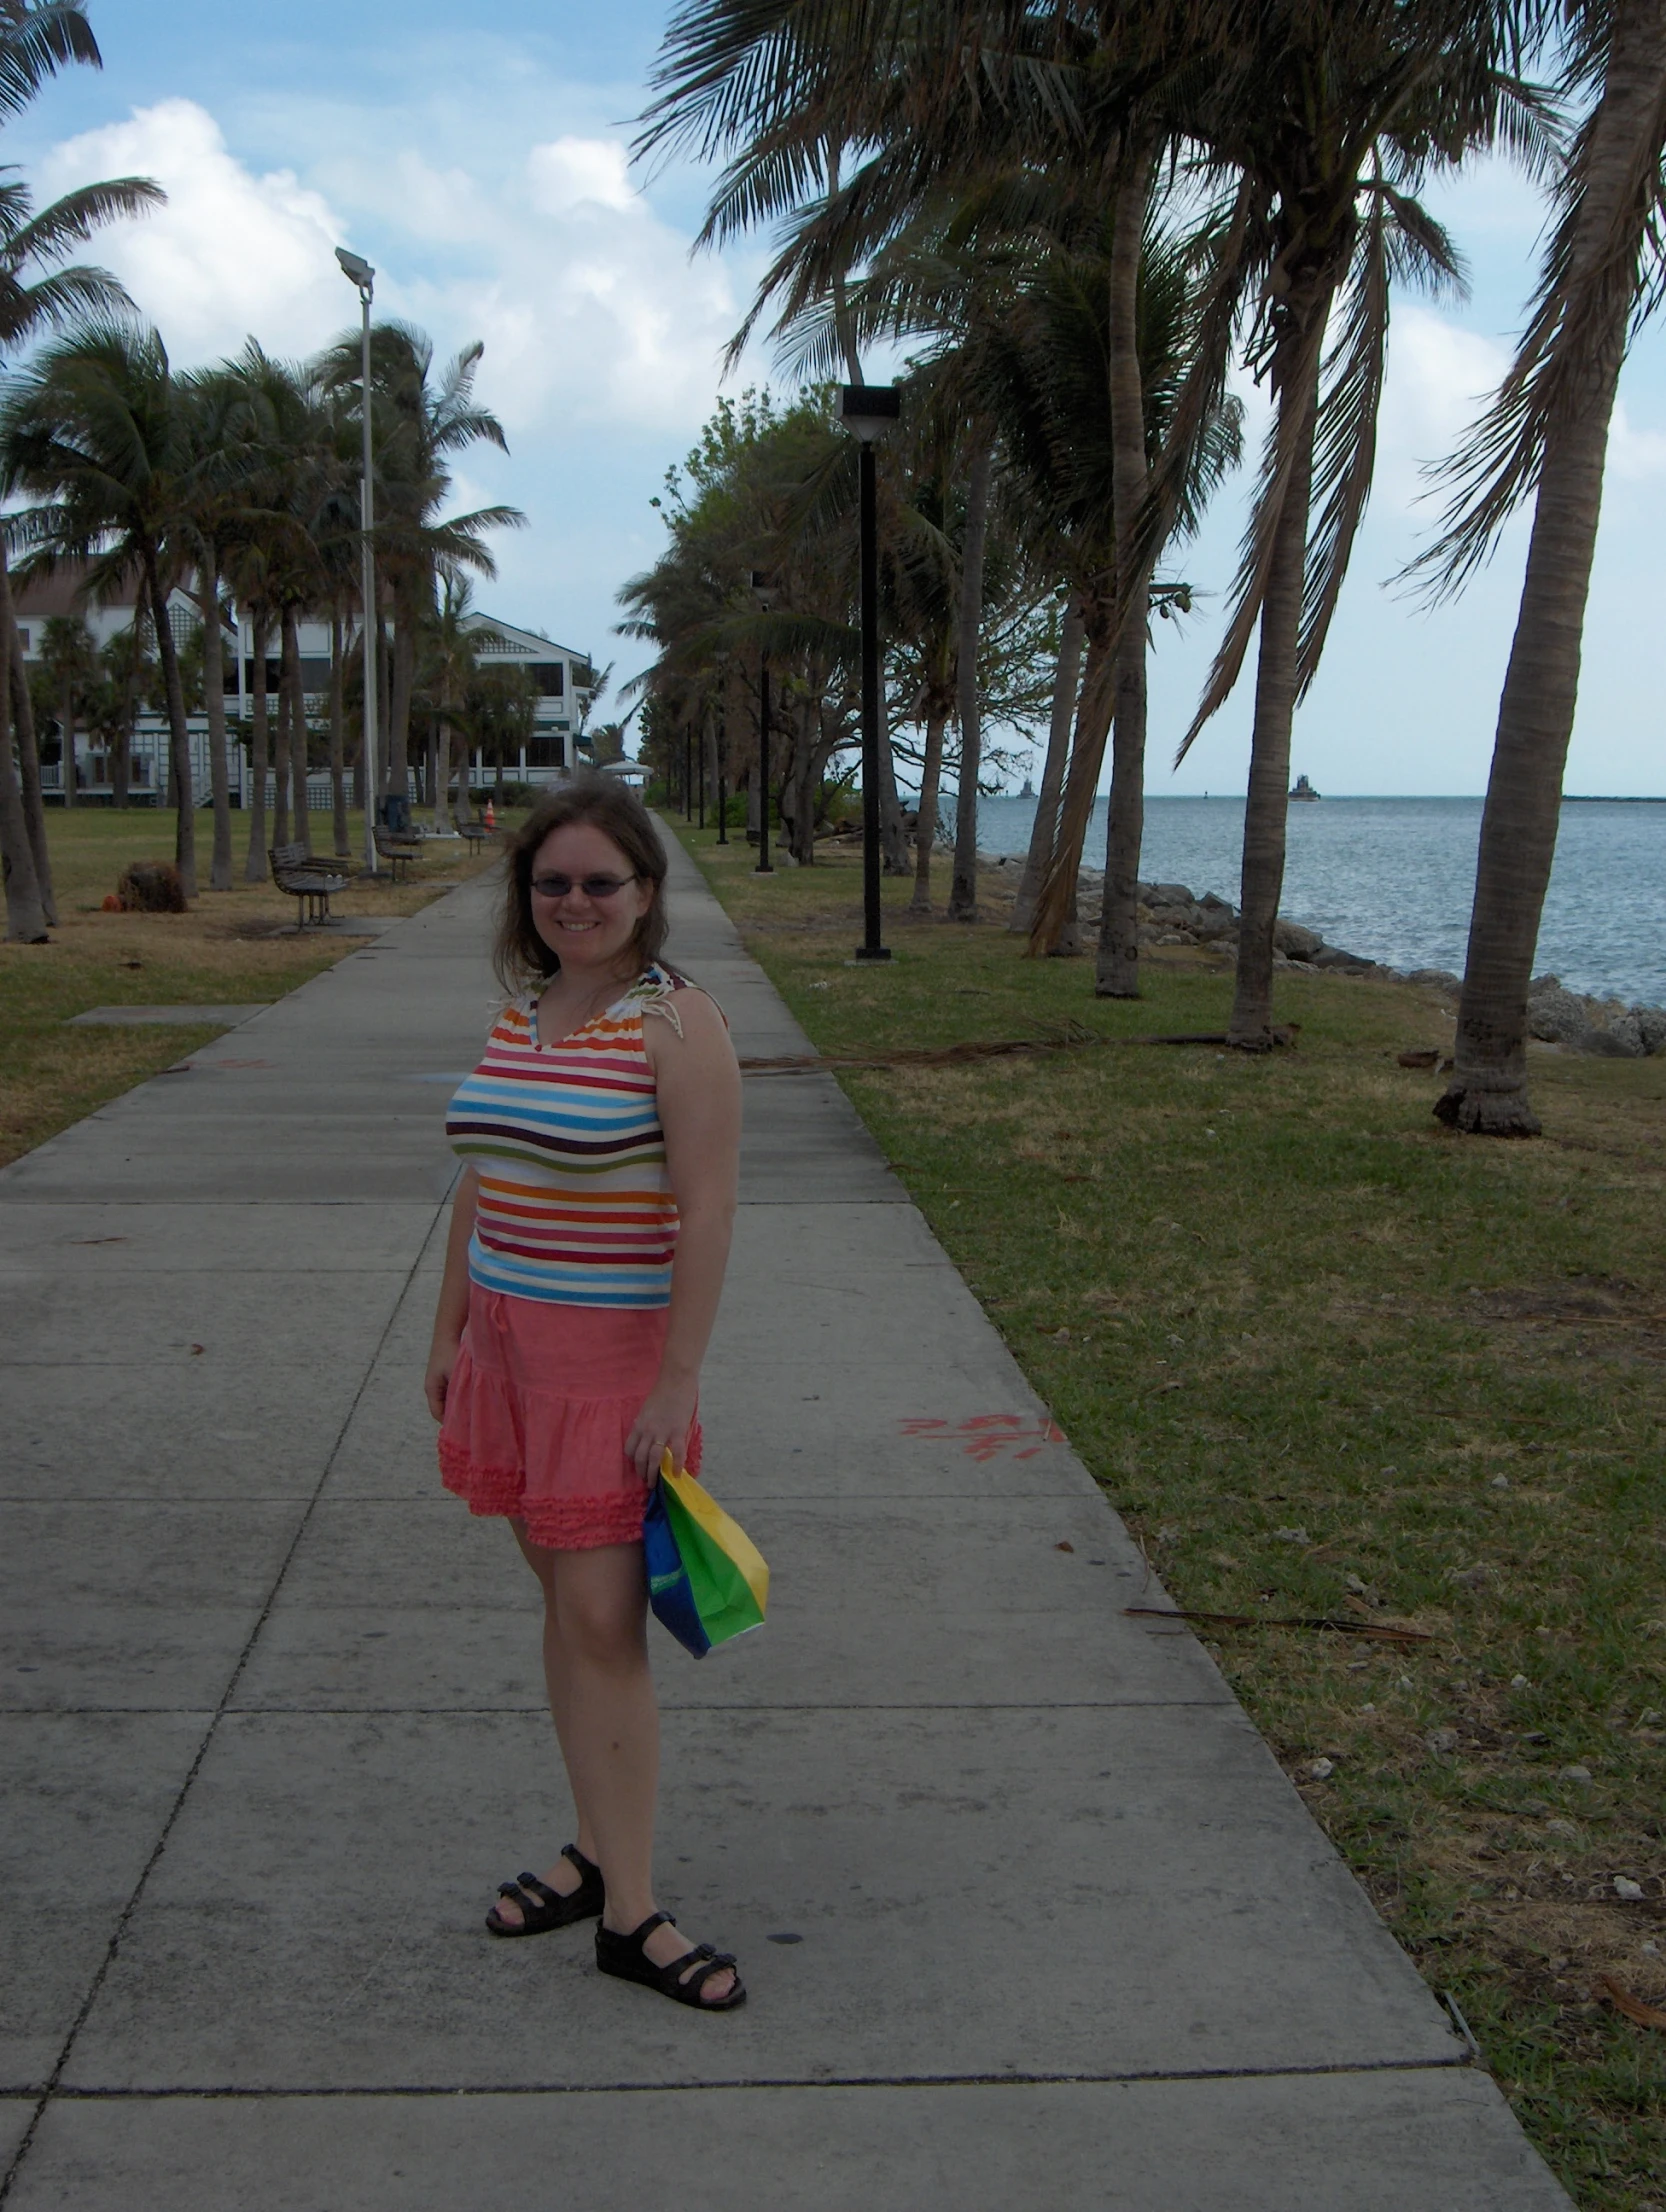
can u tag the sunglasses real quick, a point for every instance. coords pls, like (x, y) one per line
(593, 887)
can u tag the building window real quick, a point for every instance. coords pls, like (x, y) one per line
(23, 633)
(545, 752)
(550, 678)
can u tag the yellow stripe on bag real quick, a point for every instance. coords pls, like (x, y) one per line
(725, 1532)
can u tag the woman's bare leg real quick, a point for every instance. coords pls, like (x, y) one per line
(563, 1876)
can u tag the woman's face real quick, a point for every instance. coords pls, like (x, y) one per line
(587, 930)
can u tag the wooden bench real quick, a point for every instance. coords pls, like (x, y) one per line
(476, 833)
(397, 851)
(307, 879)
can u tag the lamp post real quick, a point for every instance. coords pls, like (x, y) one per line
(700, 780)
(722, 749)
(362, 276)
(764, 593)
(868, 411)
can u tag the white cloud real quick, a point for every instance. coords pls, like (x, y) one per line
(231, 253)
(1439, 379)
(570, 172)
(590, 310)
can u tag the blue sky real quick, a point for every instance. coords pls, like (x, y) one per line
(481, 166)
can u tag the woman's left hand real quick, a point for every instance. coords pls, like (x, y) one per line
(663, 1424)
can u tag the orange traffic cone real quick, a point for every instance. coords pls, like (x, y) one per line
(491, 815)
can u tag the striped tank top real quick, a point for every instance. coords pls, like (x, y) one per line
(575, 1207)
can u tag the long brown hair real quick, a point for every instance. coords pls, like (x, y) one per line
(519, 955)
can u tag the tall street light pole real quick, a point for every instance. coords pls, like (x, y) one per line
(868, 411)
(722, 750)
(362, 276)
(764, 593)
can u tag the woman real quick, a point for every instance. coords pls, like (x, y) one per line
(601, 1139)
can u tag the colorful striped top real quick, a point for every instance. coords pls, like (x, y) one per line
(575, 1206)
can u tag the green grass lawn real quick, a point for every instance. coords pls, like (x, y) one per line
(1326, 1357)
(232, 948)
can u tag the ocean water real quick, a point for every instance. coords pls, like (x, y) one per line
(1394, 878)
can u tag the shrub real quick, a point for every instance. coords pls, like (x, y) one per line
(151, 887)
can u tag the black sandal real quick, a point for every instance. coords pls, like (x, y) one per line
(543, 1908)
(623, 1955)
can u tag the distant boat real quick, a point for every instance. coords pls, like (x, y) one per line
(1302, 789)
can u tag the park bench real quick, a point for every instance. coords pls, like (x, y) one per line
(397, 851)
(476, 833)
(307, 879)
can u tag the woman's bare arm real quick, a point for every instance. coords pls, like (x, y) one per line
(698, 1082)
(453, 1309)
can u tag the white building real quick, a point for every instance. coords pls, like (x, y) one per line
(562, 679)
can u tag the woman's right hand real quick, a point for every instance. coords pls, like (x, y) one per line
(441, 1360)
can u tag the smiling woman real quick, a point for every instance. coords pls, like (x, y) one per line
(600, 1135)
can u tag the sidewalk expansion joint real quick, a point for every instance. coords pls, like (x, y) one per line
(215, 2092)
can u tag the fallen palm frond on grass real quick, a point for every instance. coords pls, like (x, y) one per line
(1381, 1630)
(1634, 2008)
(1067, 1037)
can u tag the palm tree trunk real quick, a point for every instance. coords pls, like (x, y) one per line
(963, 887)
(338, 739)
(255, 866)
(282, 833)
(66, 742)
(28, 754)
(1044, 830)
(925, 832)
(25, 914)
(291, 680)
(1488, 1092)
(1053, 932)
(1267, 807)
(179, 738)
(214, 699)
(404, 681)
(1118, 969)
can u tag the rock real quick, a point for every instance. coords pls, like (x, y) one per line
(1321, 1770)
(1291, 1536)
(1556, 1017)
(1436, 979)
(1567, 1828)
(1172, 937)
(1573, 1774)
(1213, 923)
(1294, 940)
(1332, 957)
(1421, 1056)
(1166, 894)
(1621, 1040)
(1651, 1026)
(1214, 901)
(1625, 1887)
(1470, 1578)
(1442, 1739)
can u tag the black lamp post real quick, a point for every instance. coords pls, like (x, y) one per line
(763, 592)
(700, 778)
(688, 775)
(722, 750)
(868, 411)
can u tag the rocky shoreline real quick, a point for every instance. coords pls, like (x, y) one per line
(1171, 914)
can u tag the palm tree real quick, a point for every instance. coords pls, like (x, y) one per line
(1336, 112)
(39, 292)
(1547, 430)
(69, 674)
(94, 430)
(422, 422)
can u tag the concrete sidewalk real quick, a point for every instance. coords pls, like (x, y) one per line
(1029, 1915)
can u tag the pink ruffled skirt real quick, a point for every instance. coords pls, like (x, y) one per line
(537, 1411)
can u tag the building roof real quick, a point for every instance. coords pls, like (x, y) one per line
(524, 644)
